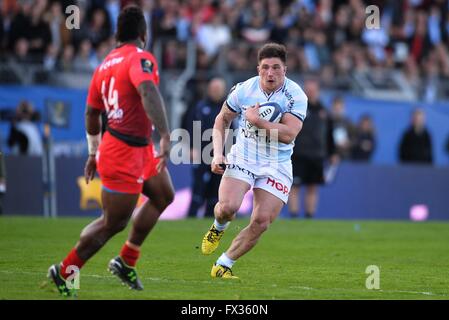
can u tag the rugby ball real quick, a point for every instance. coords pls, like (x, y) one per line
(270, 111)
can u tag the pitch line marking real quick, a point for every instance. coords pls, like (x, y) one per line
(204, 281)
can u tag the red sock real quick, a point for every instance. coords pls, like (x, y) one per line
(129, 255)
(72, 259)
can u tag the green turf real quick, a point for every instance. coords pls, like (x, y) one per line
(294, 260)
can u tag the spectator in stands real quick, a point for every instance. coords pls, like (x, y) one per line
(20, 24)
(147, 9)
(312, 148)
(431, 78)
(327, 38)
(337, 29)
(419, 42)
(25, 137)
(39, 35)
(99, 27)
(65, 64)
(55, 18)
(257, 30)
(83, 59)
(21, 52)
(365, 139)
(2, 33)
(238, 55)
(196, 13)
(51, 57)
(205, 183)
(166, 17)
(412, 74)
(416, 143)
(78, 35)
(204, 61)
(211, 36)
(101, 53)
(113, 9)
(343, 132)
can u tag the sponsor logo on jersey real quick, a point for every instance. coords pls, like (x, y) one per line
(243, 170)
(254, 135)
(147, 66)
(109, 63)
(278, 185)
(291, 100)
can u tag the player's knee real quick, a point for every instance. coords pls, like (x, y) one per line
(227, 209)
(260, 225)
(163, 202)
(113, 227)
(169, 197)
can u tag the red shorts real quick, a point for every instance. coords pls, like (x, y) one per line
(124, 168)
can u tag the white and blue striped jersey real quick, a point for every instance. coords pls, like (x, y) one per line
(254, 147)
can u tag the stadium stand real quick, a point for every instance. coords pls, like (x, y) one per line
(383, 73)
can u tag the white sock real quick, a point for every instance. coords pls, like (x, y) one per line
(220, 226)
(224, 260)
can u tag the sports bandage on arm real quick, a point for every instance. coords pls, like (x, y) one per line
(93, 141)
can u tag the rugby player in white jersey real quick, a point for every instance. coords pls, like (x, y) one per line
(260, 159)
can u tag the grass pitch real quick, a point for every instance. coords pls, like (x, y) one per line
(295, 259)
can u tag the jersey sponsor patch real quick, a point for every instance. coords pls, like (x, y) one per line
(147, 66)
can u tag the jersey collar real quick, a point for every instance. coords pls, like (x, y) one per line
(269, 95)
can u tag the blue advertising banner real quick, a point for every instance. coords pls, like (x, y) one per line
(358, 191)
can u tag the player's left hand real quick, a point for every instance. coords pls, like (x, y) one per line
(90, 168)
(164, 153)
(252, 114)
(334, 159)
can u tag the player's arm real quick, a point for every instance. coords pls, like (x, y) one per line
(93, 135)
(222, 122)
(287, 129)
(92, 119)
(154, 107)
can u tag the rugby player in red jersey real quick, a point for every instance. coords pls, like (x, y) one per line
(125, 86)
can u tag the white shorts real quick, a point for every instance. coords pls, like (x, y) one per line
(263, 177)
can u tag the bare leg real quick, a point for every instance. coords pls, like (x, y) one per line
(266, 208)
(293, 201)
(230, 197)
(311, 199)
(159, 189)
(117, 210)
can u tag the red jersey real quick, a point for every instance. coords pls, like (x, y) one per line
(114, 89)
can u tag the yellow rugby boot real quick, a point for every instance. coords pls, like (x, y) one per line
(211, 240)
(219, 271)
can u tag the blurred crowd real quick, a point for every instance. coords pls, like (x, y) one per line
(324, 37)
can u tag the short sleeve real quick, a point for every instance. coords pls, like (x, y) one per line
(298, 105)
(94, 99)
(232, 100)
(143, 67)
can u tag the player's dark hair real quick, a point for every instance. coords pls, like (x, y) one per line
(272, 50)
(131, 24)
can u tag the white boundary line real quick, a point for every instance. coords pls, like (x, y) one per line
(208, 282)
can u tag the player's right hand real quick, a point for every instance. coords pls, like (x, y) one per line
(217, 165)
(90, 168)
(164, 153)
